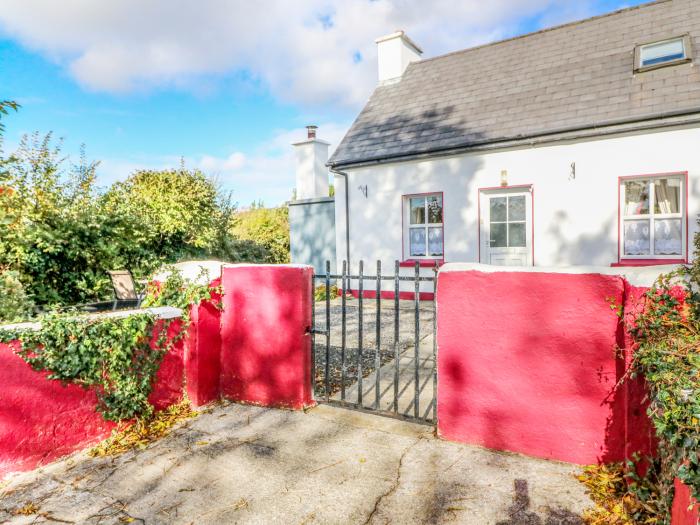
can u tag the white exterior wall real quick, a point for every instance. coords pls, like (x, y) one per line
(575, 221)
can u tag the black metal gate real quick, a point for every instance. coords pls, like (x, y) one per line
(391, 372)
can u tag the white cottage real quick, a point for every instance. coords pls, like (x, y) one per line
(576, 145)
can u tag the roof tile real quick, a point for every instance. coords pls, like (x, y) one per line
(578, 74)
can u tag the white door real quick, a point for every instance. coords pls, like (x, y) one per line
(506, 227)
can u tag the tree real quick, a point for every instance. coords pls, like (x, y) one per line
(268, 228)
(5, 106)
(53, 231)
(176, 211)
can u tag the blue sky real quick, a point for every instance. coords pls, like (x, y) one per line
(223, 84)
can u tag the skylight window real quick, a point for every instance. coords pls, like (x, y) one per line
(664, 53)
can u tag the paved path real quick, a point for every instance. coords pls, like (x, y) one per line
(244, 464)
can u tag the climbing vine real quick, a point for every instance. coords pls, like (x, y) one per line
(118, 357)
(666, 327)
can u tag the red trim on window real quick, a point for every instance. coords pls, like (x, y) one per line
(403, 226)
(647, 262)
(423, 263)
(650, 262)
(531, 187)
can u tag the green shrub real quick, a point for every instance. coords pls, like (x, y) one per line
(266, 232)
(14, 303)
(667, 328)
(320, 292)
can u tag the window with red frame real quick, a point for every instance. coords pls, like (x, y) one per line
(424, 229)
(653, 217)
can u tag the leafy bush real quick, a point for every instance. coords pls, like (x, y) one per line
(667, 328)
(14, 303)
(266, 228)
(320, 292)
(61, 235)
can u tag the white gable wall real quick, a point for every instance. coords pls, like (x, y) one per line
(575, 221)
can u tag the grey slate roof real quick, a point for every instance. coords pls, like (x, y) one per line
(577, 75)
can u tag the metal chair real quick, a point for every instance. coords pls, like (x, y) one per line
(125, 289)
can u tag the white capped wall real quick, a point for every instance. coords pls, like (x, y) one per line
(575, 221)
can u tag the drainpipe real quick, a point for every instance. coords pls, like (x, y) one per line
(347, 214)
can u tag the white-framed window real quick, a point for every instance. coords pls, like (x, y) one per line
(663, 53)
(653, 217)
(423, 226)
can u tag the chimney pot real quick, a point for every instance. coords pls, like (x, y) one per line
(311, 131)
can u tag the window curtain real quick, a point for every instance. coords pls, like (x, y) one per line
(667, 198)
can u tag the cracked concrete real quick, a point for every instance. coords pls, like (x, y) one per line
(245, 464)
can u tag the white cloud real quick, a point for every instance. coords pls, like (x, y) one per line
(304, 52)
(231, 163)
(268, 173)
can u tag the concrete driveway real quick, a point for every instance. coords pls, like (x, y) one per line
(245, 464)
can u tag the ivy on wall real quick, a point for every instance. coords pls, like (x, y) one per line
(667, 330)
(117, 357)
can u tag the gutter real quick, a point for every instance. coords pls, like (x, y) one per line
(533, 139)
(347, 213)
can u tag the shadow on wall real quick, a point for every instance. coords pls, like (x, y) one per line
(529, 365)
(265, 352)
(588, 249)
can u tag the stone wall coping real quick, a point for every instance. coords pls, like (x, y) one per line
(161, 312)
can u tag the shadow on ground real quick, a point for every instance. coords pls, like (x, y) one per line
(245, 464)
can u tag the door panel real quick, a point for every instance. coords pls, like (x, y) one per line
(506, 227)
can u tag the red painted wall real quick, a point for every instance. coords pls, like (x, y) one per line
(42, 419)
(265, 340)
(681, 514)
(526, 363)
(202, 349)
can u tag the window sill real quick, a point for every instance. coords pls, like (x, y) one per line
(423, 263)
(647, 262)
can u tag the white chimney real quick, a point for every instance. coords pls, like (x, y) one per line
(394, 53)
(312, 173)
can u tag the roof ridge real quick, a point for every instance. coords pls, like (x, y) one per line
(540, 31)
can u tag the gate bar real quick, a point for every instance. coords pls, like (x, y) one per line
(313, 337)
(328, 329)
(397, 352)
(377, 356)
(345, 284)
(359, 336)
(437, 269)
(416, 349)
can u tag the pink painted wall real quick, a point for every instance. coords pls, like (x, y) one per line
(265, 339)
(40, 419)
(530, 363)
(526, 363)
(258, 350)
(43, 419)
(682, 513)
(202, 351)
